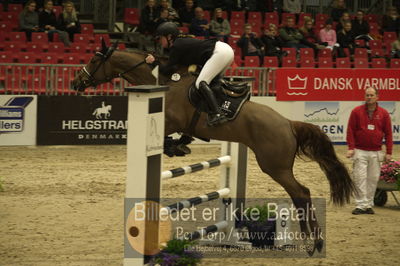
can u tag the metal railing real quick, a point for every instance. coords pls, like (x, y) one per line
(55, 79)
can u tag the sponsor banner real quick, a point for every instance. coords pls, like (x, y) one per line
(336, 84)
(68, 120)
(331, 117)
(18, 120)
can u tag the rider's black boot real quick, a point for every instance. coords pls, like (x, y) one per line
(215, 117)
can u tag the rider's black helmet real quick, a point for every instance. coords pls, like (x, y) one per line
(167, 28)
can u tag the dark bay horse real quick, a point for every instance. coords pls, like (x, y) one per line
(275, 140)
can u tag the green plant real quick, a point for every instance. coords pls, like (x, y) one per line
(177, 252)
(263, 210)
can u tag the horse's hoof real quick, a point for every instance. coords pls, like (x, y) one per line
(311, 250)
(319, 244)
(184, 149)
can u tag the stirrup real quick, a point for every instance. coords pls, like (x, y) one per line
(216, 119)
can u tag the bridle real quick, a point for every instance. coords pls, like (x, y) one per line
(91, 81)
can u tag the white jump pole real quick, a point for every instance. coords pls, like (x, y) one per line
(146, 105)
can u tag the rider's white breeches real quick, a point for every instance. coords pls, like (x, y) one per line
(220, 60)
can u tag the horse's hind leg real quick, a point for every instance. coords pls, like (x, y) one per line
(300, 196)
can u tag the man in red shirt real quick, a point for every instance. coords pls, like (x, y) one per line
(368, 125)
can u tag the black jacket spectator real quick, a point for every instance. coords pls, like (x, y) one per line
(338, 9)
(391, 21)
(186, 14)
(251, 45)
(360, 28)
(148, 18)
(68, 20)
(345, 38)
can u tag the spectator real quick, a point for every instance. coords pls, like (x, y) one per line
(148, 18)
(186, 14)
(391, 21)
(251, 45)
(48, 22)
(172, 14)
(359, 24)
(68, 20)
(327, 35)
(338, 8)
(272, 42)
(219, 26)
(368, 125)
(343, 19)
(291, 36)
(309, 34)
(292, 6)
(178, 4)
(395, 53)
(199, 25)
(29, 19)
(206, 4)
(345, 38)
(164, 17)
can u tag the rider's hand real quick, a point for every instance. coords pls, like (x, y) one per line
(150, 59)
(350, 153)
(388, 157)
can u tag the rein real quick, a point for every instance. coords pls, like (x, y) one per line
(93, 82)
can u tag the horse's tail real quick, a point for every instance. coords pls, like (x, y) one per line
(95, 112)
(315, 144)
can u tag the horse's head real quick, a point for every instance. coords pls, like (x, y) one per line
(97, 71)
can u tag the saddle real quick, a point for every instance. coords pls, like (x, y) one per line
(230, 95)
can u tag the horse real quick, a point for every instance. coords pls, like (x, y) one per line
(274, 139)
(102, 111)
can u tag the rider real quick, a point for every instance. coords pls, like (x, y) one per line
(214, 57)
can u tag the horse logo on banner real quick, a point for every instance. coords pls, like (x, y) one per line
(103, 110)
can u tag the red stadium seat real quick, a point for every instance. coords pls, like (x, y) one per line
(392, 36)
(105, 37)
(271, 61)
(6, 26)
(360, 43)
(325, 53)
(289, 62)
(57, 10)
(343, 62)
(236, 23)
(271, 18)
(131, 18)
(16, 36)
(375, 44)
(325, 62)
(378, 63)
(395, 63)
(56, 47)
(49, 58)
(72, 58)
(251, 61)
(87, 29)
(40, 37)
(36, 47)
(15, 8)
(360, 53)
(306, 52)
(321, 17)
(307, 62)
(285, 16)
(254, 16)
(377, 52)
(82, 38)
(291, 52)
(361, 63)
(239, 15)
